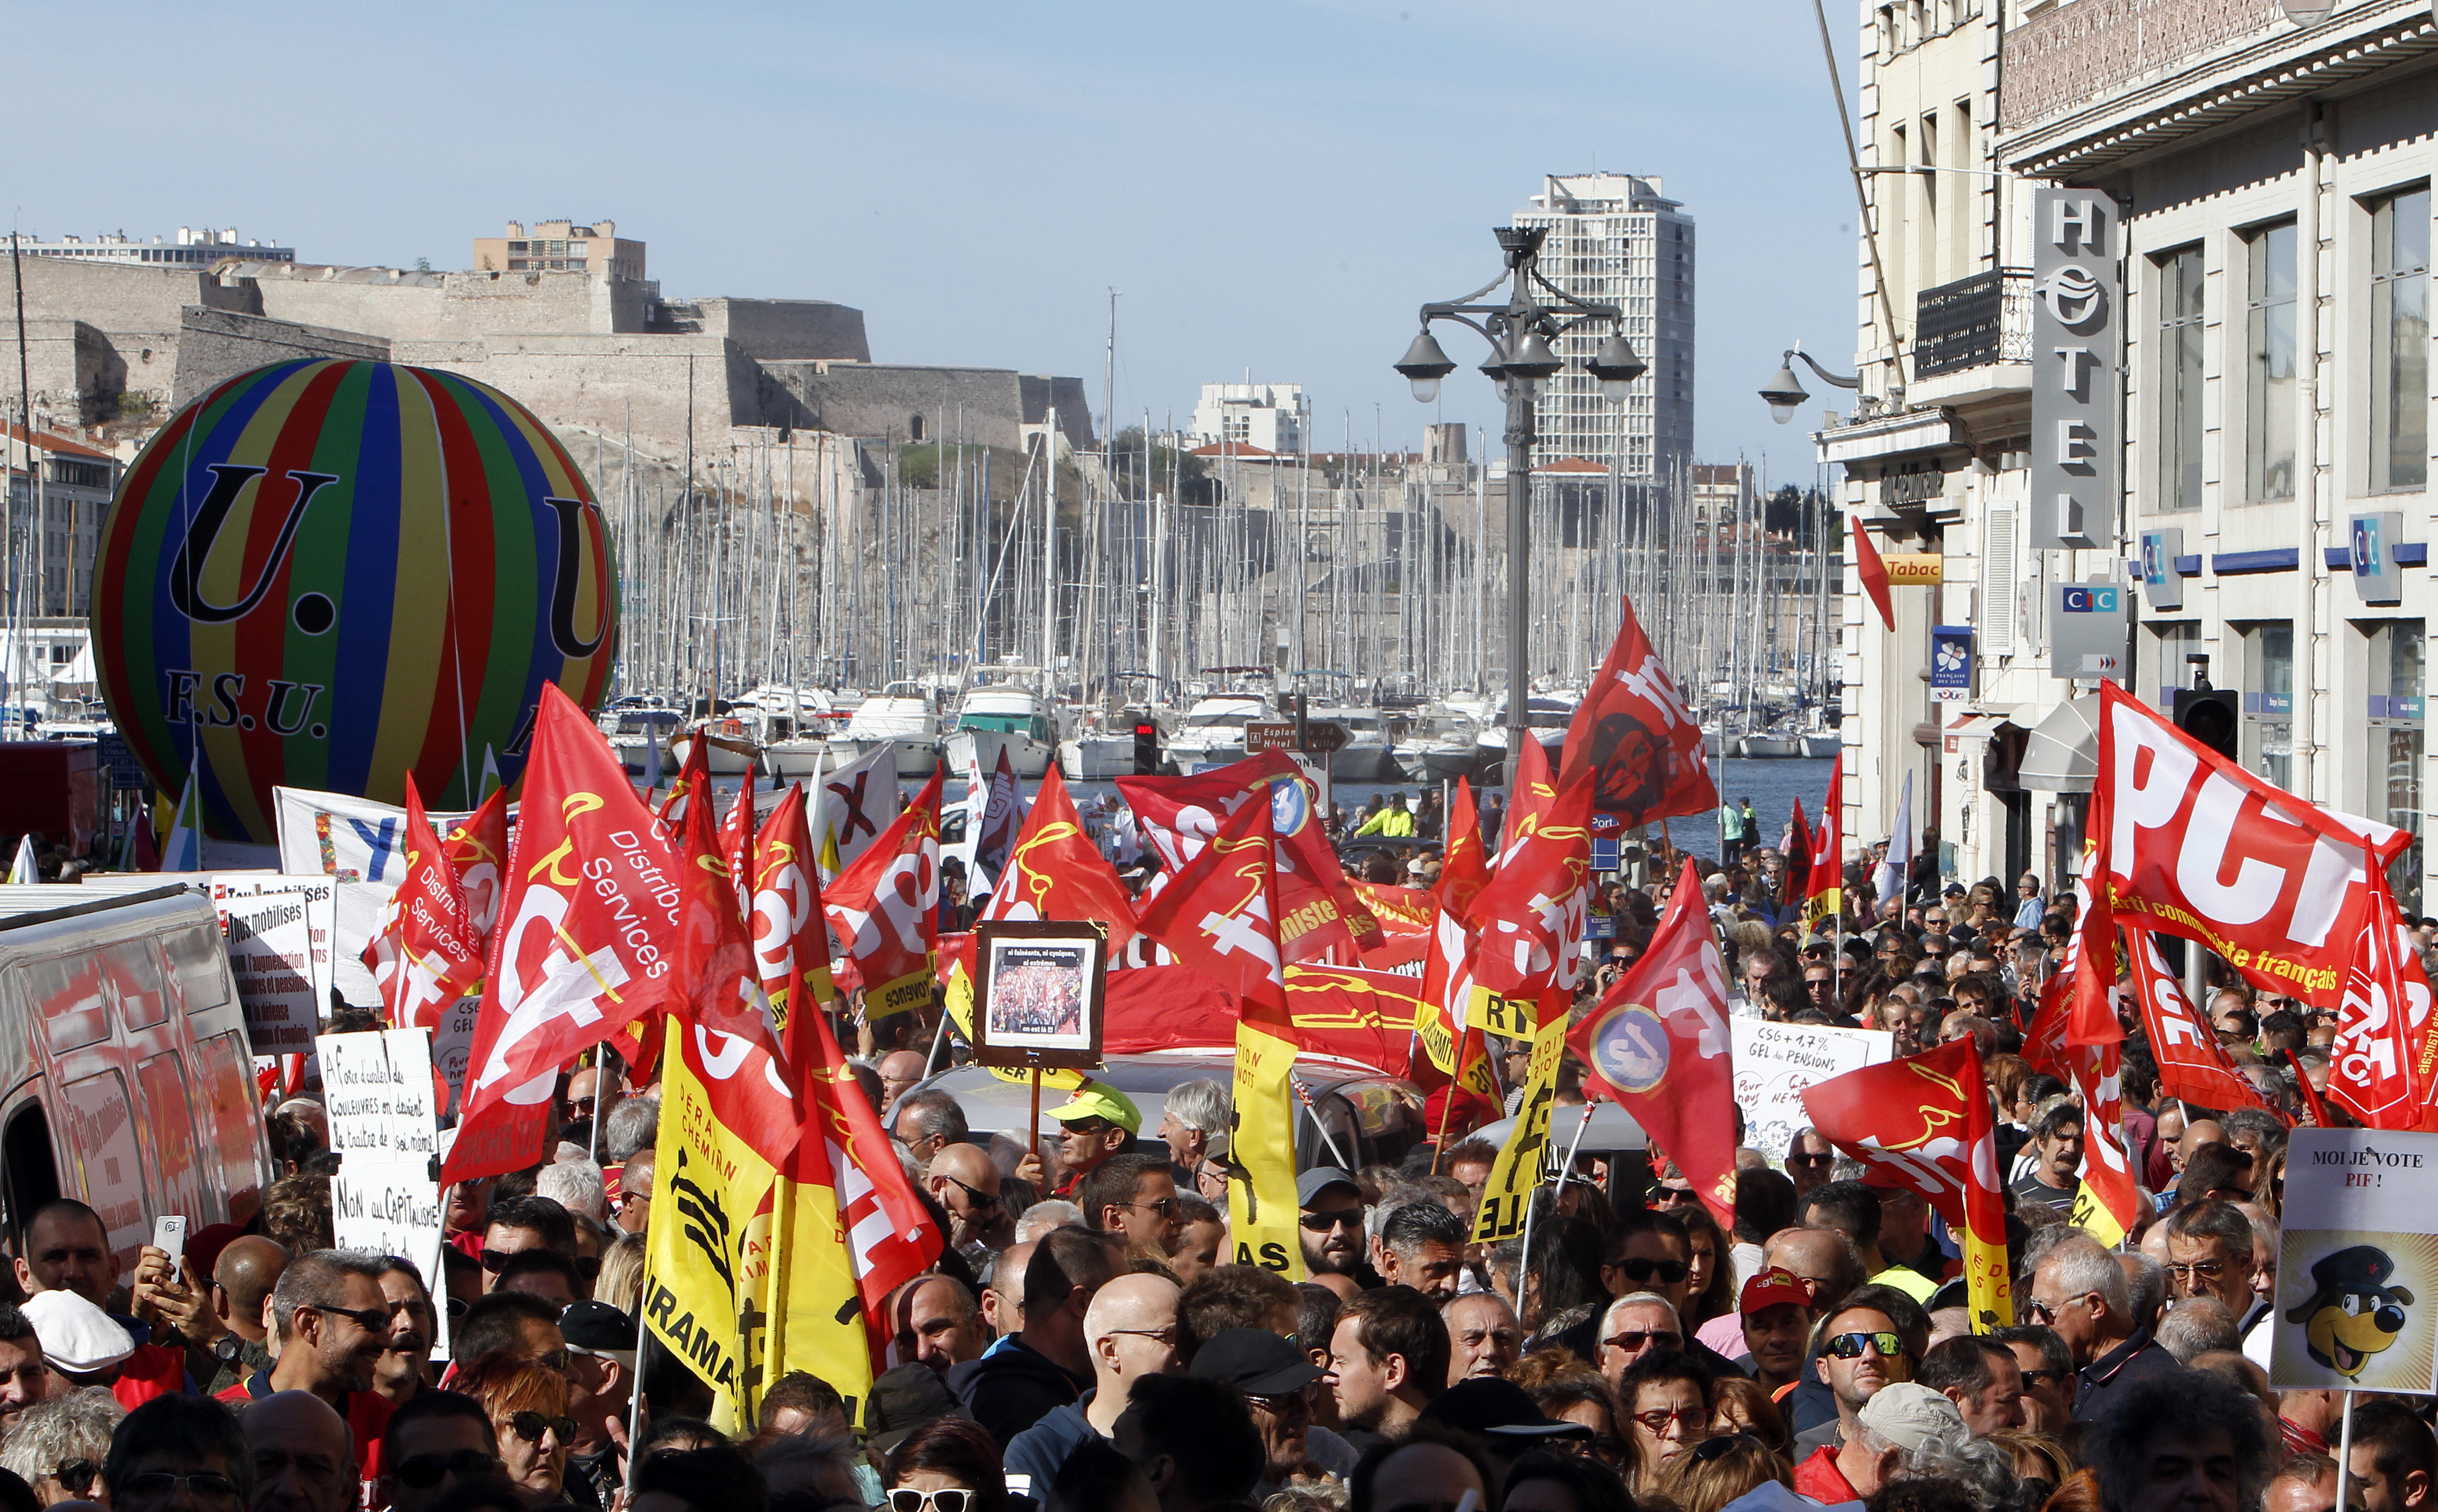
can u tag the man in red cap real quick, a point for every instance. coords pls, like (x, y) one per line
(1776, 1308)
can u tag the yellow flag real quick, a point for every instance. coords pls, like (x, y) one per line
(2090, 1213)
(1261, 1208)
(1511, 1018)
(1516, 1173)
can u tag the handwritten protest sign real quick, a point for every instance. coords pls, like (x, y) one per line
(377, 1087)
(1774, 1062)
(393, 1207)
(2357, 1305)
(278, 934)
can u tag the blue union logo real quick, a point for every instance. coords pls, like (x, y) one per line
(1630, 1047)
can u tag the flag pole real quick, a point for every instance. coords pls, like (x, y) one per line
(1033, 1130)
(2345, 1456)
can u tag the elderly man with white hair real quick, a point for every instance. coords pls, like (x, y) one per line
(2079, 1292)
(1194, 1120)
(1635, 1325)
(1906, 1427)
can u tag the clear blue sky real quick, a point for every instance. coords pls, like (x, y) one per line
(1273, 185)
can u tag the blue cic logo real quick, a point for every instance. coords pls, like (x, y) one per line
(2366, 546)
(2082, 598)
(1630, 1047)
(2154, 562)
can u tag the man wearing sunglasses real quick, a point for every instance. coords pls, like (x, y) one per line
(333, 1324)
(2079, 1291)
(1131, 1327)
(1870, 1340)
(1330, 1221)
(1095, 1123)
(524, 1223)
(437, 1440)
(1135, 1197)
(1634, 1326)
(1808, 1160)
(180, 1455)
(2210, 1253)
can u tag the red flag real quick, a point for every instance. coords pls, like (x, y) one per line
(1535, 793)
(1798, 856)
(1924, 1122)
(1463, 869)
(1824, 888)
(2090, 1016)
(1054, 871)
(1320, 912)
(885, 907)
(2375, 1067)
(889, 1233)
(2109, 1200)
(791, 936)
(426, 956)
(1531, 916)
(477, 848)
(1873, 573)
(1220, 915)
(726, 996)
(595, 937)
(2190, 844)
(694, 777)
(2192, 1065)
(1439, 1019)
(737, 838)
(1636, 739)
(1657, 1044)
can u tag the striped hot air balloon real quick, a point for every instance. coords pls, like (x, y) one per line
(328, 575)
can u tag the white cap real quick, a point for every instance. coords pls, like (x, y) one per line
(76, 1336)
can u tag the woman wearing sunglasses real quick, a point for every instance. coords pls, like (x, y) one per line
(527, 1404)
(947, 1465)
(1666, 1412)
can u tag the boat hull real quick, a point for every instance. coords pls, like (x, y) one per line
(1364, 763)
(726, 758)
(1097, 757)
(968, 748)
(1822, 748)
(788, 761)
(1768, 747)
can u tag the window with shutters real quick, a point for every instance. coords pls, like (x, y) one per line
(1998, 581)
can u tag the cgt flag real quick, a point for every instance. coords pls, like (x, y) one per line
(1319, 912)
(477, 848)
(1825, 886)
(1054, 871)
(1924, 1122)
(885, 907)
(426, 956)
(791, 937)
(594, 939)
(1217, 916)
(1464, 870)
(1657, 1044)
(1532, 915)
(1635, 739)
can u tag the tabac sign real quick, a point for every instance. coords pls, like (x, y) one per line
(2078, 366)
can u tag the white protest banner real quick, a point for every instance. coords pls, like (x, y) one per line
(393, 1207)
(274, 928)
(353, 840)
(452, 1046)
(1775, 1063)
(377, 1088)
(2356, 1304)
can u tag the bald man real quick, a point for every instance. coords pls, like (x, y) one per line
(1003, 1298)
(899, 1071)
(964, 1181)
(1131, 1330)
(939, 1323)
(303, 1458)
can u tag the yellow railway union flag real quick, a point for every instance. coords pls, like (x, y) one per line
(1261, 1210)
(1515, 1175)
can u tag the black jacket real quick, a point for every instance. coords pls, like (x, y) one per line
(1013, 1388)
(2104, 1381)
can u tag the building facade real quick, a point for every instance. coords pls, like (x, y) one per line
(59, 489)
(193, 247)
(1617, 239)
(1275, 417)
(560, 246)
(2272, 384)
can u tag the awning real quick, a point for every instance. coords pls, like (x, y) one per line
(2062, 755)
(1980, 725)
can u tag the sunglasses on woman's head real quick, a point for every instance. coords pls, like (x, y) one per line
(1710, 1449)
(1670, 1272)
(947, 1499)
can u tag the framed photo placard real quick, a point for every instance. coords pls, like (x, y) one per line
(1041, 993)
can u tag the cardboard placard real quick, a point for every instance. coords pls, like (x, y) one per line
(278, 934)
(2357, 1305)
(1775, 1063)
(393, 1207)
(377, 1088)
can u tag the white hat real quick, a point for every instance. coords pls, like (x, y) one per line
(1914, 1417)
(76, 1336)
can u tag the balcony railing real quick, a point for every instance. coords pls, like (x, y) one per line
(1975, 321)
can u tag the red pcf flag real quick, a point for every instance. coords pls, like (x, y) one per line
(1465, 868)
(1219, 915)
(1532, 915)
(1319, 912)
(593, 937)
(1657, 1044)
(885, 906)
(1633, 734)
(1873, 573)
(426, 955)
(1053, 870)
(1924, 1122)
(477, 848)
(2193, 845)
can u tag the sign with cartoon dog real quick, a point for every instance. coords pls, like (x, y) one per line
(2357, 1301)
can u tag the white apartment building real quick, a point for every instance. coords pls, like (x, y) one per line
(1617, 239)
(1275, 417)
(195, 247)
(2271, 374)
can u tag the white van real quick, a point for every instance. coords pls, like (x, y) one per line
(126, 1078)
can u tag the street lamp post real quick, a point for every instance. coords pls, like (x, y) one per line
(1521, 359)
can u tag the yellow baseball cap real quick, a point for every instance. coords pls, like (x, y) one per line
(1093, 1101)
